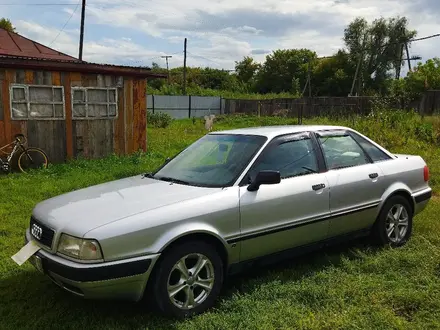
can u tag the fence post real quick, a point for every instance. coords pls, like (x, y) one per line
(189, 106)
(152, 101)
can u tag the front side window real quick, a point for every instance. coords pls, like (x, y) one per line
(292, 158)
(34, 101)
(215, 160)
(342, 151)
(93, 102)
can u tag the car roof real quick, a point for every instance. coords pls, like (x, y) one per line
(273, 131)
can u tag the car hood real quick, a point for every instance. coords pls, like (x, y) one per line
(82, 210)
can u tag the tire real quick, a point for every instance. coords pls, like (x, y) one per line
(166, 273)
(387, 220)
(38, 156)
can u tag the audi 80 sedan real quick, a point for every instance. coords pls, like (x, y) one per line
(231, 199)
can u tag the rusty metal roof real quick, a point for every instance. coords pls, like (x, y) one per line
(17, 51)
(13, 44)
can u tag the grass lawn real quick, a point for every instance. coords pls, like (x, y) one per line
(352, 286)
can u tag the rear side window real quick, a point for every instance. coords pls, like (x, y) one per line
(342, 151)
(374, 152)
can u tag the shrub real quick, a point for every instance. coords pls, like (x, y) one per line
(159, 119)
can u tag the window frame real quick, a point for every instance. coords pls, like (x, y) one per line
(28, 102)
(86, 103)
(339, 133)
(285, 138)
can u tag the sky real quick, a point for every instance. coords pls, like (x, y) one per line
(219, 32)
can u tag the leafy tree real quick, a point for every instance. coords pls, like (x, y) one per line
(6, 24)
(281, 68)
(381, 46)
(333, 76)
(246, 69)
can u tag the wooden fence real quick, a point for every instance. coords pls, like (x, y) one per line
(430, 103)
(326, 106)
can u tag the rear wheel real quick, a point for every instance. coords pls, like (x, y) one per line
(188, 279)
(32, 158)
(394, 225)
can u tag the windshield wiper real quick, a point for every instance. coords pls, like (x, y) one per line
(148, 175)
(169, 179)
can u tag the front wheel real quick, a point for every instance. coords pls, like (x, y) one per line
(188, 279)
(32, 158)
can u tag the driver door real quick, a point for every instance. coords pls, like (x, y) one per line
(289, 214)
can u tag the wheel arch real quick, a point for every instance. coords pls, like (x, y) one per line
(204, 235)
(397, 189)
(194, 232)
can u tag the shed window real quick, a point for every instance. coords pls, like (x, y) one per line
(36, 101)
(94, 102)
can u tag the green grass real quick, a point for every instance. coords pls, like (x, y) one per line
(352, 286)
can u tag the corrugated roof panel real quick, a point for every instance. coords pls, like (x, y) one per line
(13, 44)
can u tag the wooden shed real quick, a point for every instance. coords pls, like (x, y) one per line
(69, 107)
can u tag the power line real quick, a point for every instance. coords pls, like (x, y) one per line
(37, 4)
(205, 58)
(151, 58)
(65, 24)
(390, 44)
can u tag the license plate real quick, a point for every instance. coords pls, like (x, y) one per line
(36, 261)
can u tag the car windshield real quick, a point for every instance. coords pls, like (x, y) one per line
(215, 160)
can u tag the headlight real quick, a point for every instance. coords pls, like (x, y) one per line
(79, 248)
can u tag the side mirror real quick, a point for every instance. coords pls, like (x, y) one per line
(264, 177)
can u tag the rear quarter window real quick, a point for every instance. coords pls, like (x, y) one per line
(374, 152)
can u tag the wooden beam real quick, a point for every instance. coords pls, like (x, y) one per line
(69, 122)
(9, 78)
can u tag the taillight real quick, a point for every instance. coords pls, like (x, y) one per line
(426, 173)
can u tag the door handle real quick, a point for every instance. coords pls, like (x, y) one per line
(318, 186)
(373, 175)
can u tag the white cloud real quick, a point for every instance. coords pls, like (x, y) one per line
(221, 32)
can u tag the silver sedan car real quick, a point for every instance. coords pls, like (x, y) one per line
(231, 199)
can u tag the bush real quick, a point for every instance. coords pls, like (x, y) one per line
(159, 119)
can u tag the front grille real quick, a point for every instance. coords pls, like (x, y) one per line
(45, 236)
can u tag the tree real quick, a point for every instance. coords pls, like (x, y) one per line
(281, 68)
(423, 77)
(6, 24)
(379, 45)
(246, 69)
(333, 76)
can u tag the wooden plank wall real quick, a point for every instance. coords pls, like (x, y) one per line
(2, 123)
(95, 138)
(69, 138)
(139, 115)
(49, 135)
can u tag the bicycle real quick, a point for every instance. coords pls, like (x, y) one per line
(29, 157)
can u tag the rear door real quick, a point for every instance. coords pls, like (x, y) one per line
(356, 182)
(289, 214)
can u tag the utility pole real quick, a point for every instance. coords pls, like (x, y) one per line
(400, 61)
(407, 56)
(361, 58)
(184, 67)
(166, 57)
(81, 35)
(308, 78)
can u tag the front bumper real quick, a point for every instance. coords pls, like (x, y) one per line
(123, 279)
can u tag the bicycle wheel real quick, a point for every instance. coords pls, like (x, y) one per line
(32, 158)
